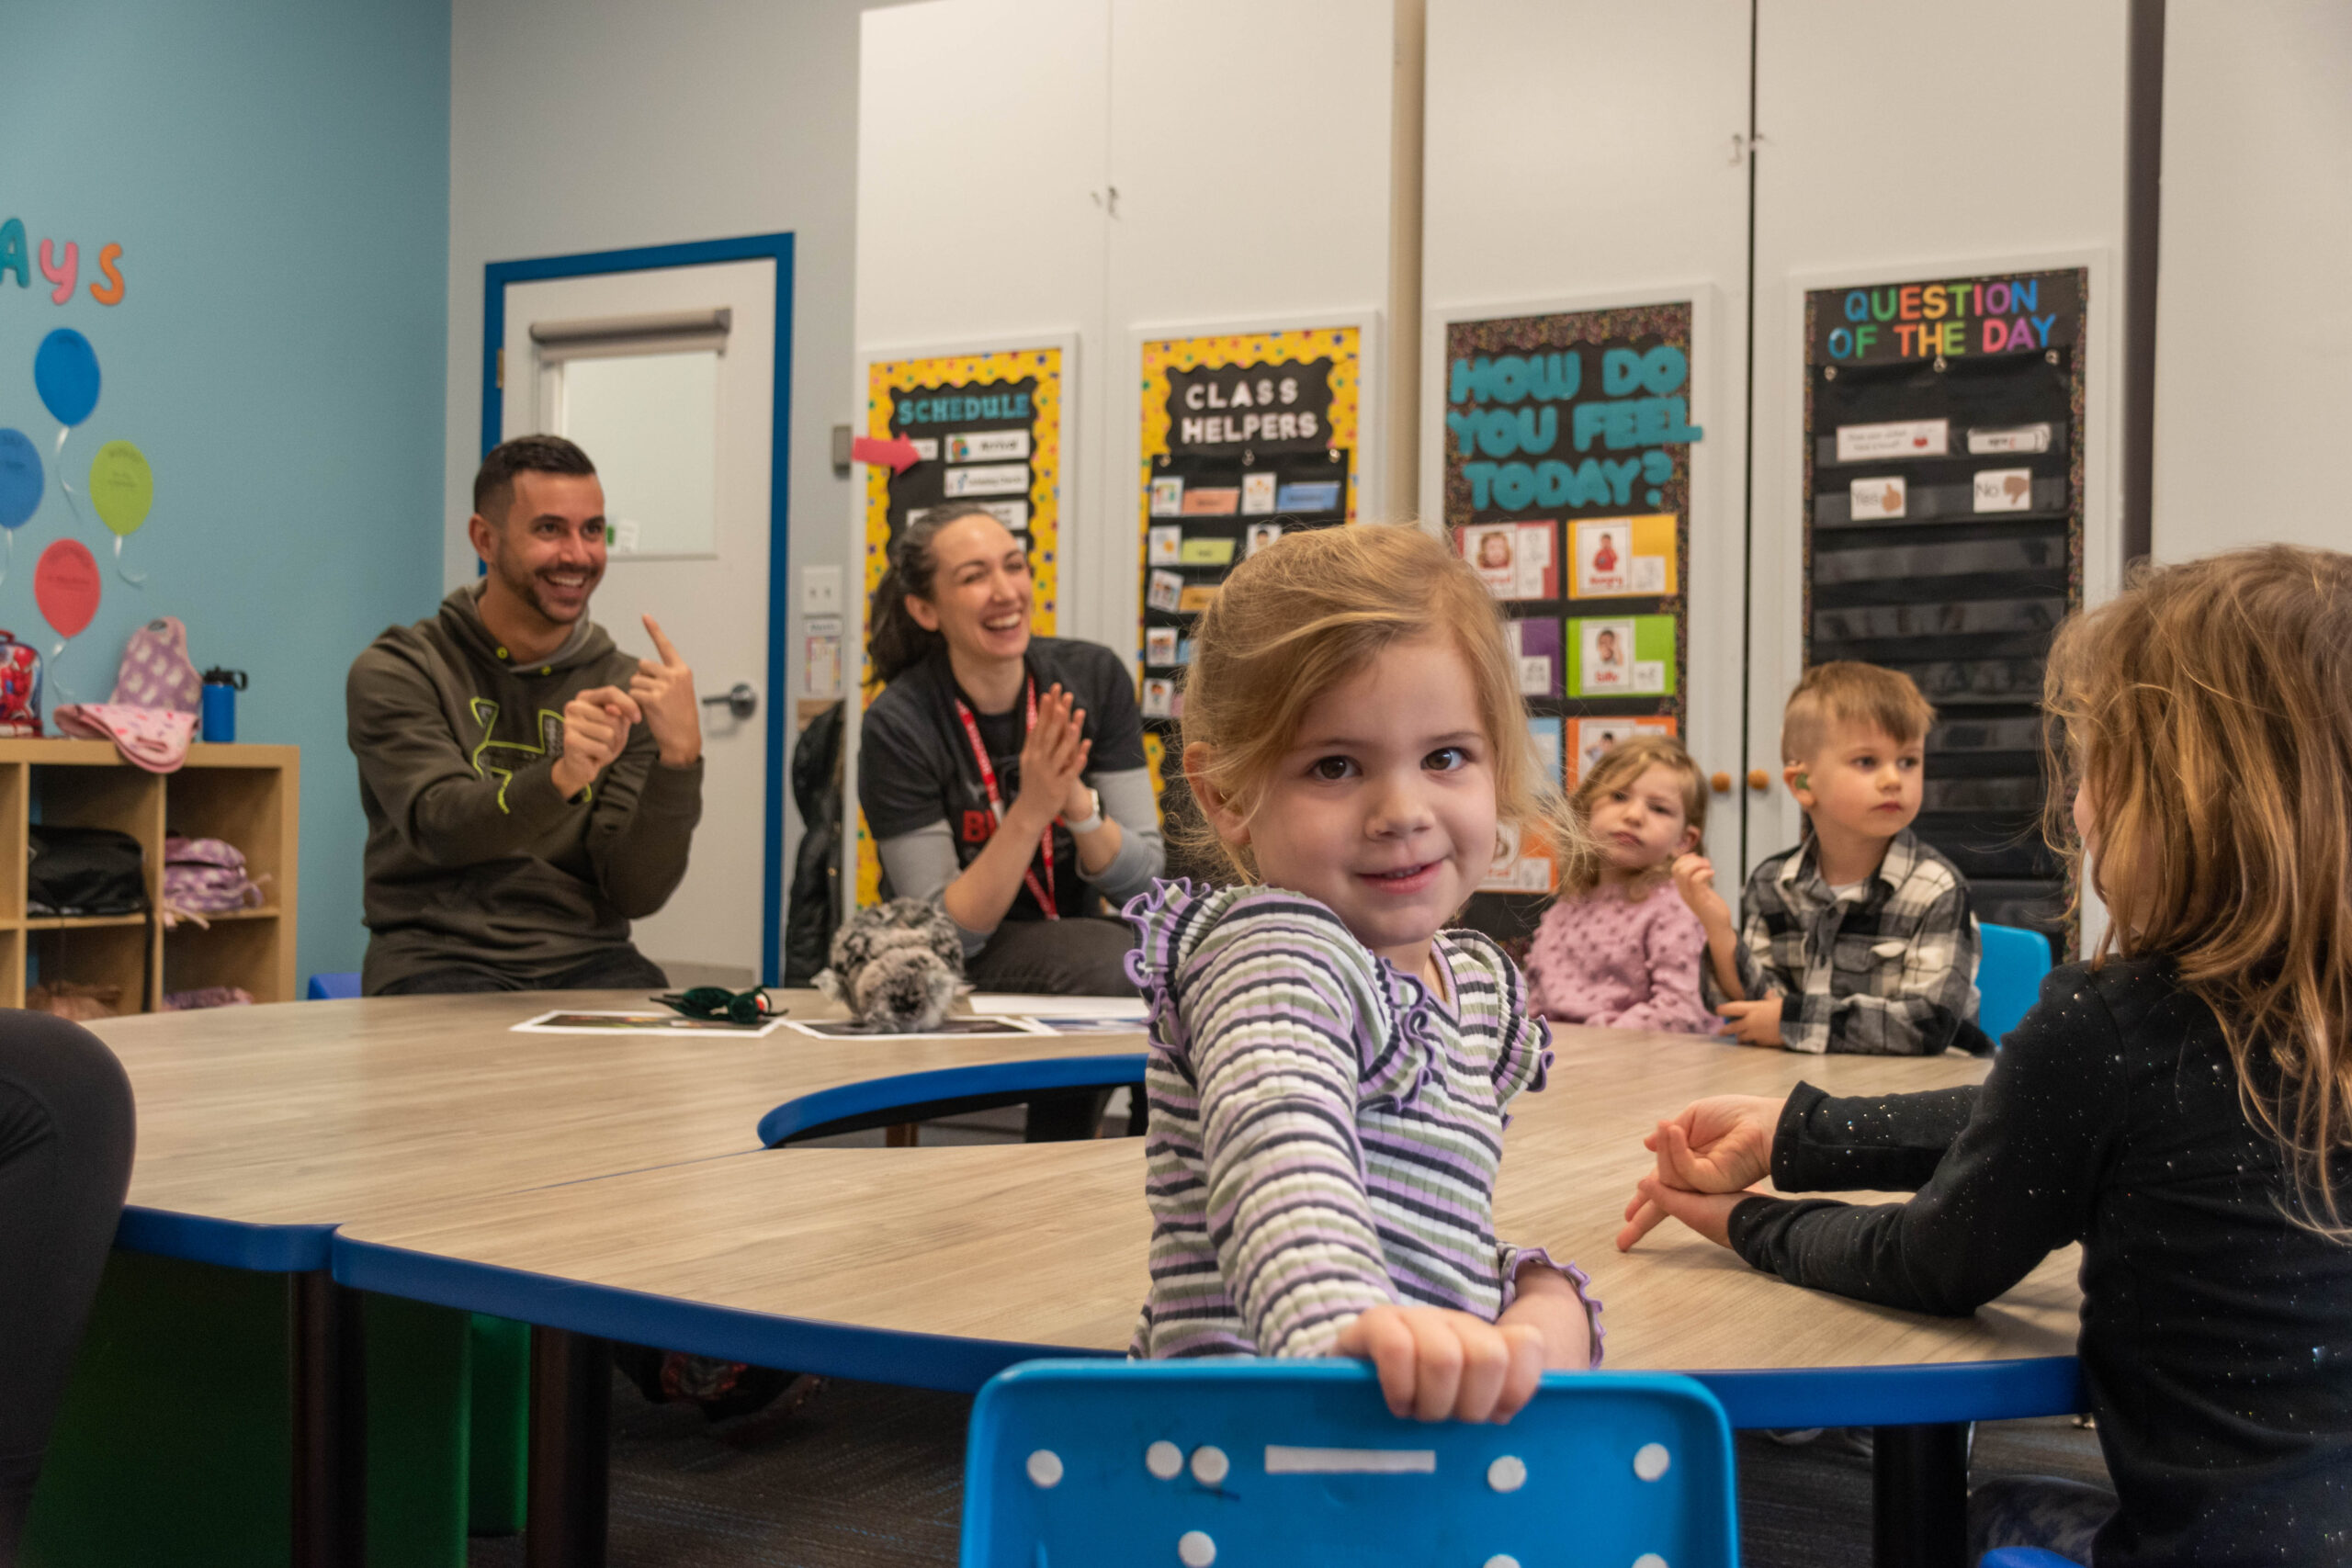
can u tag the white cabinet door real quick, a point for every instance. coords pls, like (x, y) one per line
(1904, 144)
(1250, 149)
(980, 141)
(670, 414)
(1555, 177)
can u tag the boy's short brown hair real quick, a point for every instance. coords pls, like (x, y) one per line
(1844, 691)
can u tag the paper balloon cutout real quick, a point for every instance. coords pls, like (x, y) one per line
(66, 586)
(21, 481)
(122, 488)
(66, 373)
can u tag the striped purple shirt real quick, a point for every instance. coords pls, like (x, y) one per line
(1325, 1135)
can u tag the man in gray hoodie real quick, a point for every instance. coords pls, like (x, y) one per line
(529, 788)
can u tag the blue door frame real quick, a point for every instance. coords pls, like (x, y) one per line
(777, 248)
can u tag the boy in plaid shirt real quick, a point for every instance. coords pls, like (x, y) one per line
(1860, 939)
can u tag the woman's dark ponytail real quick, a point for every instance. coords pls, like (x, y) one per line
(896, 643)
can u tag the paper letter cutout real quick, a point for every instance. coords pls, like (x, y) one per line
(62, 277)
(12, 252)
(111, 294)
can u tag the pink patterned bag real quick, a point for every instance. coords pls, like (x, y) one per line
(205, 876)
(156, 671)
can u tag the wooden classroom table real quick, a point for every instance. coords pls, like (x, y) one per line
(263, 1128)
(938, 1266)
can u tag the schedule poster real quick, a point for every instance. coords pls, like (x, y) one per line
(1245, 436)
(1566, 486)
(987, 429)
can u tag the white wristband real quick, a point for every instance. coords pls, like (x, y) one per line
(1092, 821)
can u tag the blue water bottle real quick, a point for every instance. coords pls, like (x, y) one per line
(221, 689)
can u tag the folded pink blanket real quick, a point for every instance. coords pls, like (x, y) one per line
(154, 738)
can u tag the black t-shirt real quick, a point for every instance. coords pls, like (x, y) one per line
(2217, 1333)
(915, 763)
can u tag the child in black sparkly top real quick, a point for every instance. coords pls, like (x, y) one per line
(2181, 1104)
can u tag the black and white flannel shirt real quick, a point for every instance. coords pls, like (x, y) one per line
(1887, 970)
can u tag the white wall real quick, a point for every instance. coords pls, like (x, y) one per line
(1908, 141)
(2254, 332)
(585, 125)
(1125, 168)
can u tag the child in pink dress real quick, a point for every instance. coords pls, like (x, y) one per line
(1620, 947)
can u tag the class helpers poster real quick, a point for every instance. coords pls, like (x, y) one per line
(987, 428)
(1246, 436)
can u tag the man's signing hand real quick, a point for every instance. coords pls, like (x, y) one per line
(665, 690)
(596, 728)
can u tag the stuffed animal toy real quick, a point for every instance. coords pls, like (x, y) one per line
(896, 966)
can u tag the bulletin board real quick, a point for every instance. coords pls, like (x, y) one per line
(1245, 436)
(1566, 484)
(990, 426)
(1944, 518)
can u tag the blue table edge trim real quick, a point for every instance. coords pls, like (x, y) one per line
(231, 1244)
(872, 1096)
(806, 1344)
(1913, 1394)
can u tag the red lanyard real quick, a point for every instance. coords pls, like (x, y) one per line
(1043, 892)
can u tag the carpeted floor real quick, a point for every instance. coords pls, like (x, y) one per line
(864, 1476)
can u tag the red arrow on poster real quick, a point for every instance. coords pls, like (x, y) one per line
(899, 453)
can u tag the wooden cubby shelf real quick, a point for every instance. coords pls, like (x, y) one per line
(246, 796)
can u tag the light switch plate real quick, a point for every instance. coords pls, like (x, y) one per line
(820, 590)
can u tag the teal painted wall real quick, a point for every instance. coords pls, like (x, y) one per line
(277, 172)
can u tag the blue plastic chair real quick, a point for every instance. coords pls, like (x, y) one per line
(1299, 1462)
(2008, 977)
(2024, 1557)
(339, 986)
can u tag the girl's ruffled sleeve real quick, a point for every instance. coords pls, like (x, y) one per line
(1512, 1259)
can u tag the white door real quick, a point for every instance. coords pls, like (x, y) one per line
(666, 378)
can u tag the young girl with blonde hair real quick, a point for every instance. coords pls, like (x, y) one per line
(2181, 1104)
(1330, 1066)
(1619, 947)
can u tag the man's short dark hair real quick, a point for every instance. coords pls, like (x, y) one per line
(495, 480)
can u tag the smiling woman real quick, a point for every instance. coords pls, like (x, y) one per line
(1002, 773)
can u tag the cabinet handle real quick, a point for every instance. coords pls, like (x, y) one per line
(1759, 780)
(1722, 783)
